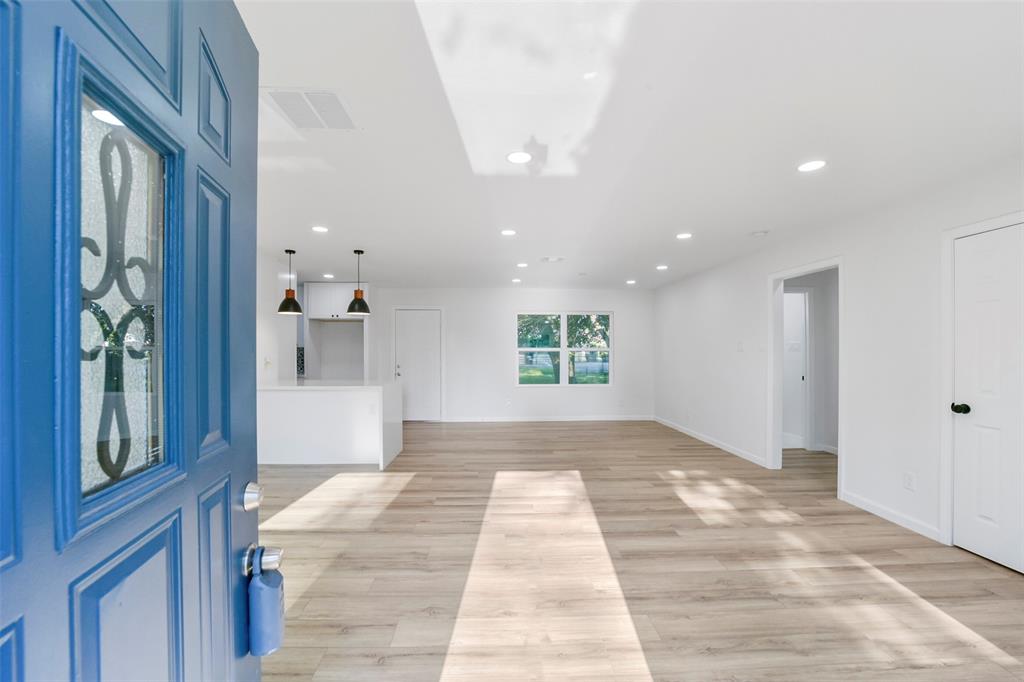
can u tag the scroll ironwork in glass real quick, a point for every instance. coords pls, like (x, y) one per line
(122, 229)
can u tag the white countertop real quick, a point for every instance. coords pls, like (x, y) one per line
(319, 385)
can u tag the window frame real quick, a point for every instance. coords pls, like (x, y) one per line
(564, 349)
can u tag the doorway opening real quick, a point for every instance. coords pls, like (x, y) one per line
(803, 424)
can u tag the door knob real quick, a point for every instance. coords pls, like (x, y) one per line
(270, 558)
(962, 408)
(252, 496)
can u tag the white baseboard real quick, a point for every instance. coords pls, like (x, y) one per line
(830, 449)
(578, 418)
(900, 519)
(731, 449)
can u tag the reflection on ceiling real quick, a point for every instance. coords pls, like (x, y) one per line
(525, 80)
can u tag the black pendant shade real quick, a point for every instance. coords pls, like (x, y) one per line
(358, 306)
(290, 304)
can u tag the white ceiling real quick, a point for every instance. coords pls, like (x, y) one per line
(694, 121)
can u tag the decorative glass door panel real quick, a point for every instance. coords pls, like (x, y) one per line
(122, 230)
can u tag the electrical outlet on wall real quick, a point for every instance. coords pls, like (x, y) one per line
(909, 481)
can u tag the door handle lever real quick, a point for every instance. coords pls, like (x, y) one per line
(962, 408)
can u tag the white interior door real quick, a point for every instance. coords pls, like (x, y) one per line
(418, 363)
(988, 465)
(794, 371)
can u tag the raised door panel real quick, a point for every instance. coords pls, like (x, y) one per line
(9, 531)
(214, 104)
(214, 582)
(126, 612)
(213, 220)
(148, 33)
(11, 668)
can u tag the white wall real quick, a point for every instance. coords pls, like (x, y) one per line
(479, 363)
(714, 332)
(824, 361)
(275, 334)
(341, 349)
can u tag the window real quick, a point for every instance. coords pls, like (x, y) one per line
(584, 348)
(540, 349)
(588, 342)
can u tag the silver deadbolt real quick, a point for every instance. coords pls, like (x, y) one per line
(271, 559)
(252, 496)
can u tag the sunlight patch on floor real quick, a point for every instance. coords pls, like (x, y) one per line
(920, 631)
(881, 608)
(540, 537)
(346, 501)
(715, 500)
(319, 520)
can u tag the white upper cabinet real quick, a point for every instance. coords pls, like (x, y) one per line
(329, 300)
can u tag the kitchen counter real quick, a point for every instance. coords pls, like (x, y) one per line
(310, 421)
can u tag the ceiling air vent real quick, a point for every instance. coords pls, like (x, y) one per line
(315, 109)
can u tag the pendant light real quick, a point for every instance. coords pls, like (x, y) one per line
(290, 305)
(358, 305)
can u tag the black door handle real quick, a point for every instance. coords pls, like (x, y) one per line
(962, 408)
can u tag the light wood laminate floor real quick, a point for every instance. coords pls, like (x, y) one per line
(617, 551)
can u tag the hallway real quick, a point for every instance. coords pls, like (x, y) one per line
(616, 551)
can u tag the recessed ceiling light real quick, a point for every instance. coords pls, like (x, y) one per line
(810, 166)
(508, 233)
(683, 235)
(553, 259)
(319, 228)
(590, 75)
(522, 265)
(630, 281)
(519, 157)
(759, 233)
(516, 281)
(661, 267)
(328, 275)
(106, 117)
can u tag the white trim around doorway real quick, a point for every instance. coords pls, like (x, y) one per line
(773, 459)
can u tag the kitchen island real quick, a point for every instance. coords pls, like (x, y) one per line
(309, 421)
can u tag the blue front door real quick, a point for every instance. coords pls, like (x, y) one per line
(127, 359)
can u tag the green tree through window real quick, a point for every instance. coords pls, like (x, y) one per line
(589, 336)
(542, 332)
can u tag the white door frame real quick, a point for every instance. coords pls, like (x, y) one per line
(809, 343)
(773, 458)
(947, 358)
(394, 344)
